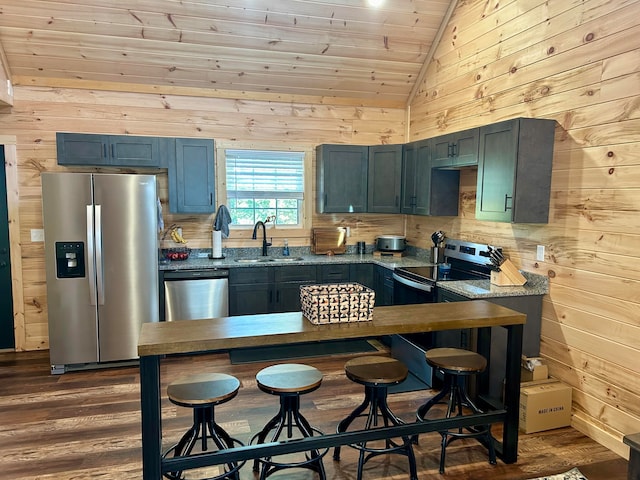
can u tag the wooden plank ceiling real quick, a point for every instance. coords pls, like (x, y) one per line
(327, 48)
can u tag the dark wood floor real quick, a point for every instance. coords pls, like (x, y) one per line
(86, 425)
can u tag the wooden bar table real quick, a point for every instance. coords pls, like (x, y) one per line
(222, 334)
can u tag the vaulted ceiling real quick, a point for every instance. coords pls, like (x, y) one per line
(326, 48)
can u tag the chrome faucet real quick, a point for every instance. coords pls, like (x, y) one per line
(264, 236)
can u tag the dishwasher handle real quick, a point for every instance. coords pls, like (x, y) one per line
(196, 274)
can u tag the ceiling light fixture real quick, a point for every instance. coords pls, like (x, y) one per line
(375, 3)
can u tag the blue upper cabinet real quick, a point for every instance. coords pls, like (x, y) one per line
(191, 166)
(108, 150)
(341, 176)
(459, 149)
(514, 171)
(385, 179)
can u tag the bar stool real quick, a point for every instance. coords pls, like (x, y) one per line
(288, 381)
(457, 365)
(202, 392)
(377, 374)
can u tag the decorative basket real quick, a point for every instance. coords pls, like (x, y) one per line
(337, 302)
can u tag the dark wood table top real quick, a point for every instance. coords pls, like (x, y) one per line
(226, 333)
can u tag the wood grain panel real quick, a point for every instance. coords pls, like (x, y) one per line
(575, 62)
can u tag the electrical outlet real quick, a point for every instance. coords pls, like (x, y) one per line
(37, 235)
(540, 253)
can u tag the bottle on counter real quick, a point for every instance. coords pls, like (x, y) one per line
(285, 249)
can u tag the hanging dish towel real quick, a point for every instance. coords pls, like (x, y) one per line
(222, 221)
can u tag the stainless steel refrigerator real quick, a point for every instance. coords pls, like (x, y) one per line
(101, 263)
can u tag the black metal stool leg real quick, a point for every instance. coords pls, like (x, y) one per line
(348, 420)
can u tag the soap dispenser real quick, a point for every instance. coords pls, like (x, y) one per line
(285, 249)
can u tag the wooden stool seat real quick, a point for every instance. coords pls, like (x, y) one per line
(376, 370)
(376, 373)
(203, 389)
(456, 360)
(288, 381)
(292, 378)
(457, 365)
(202, 392)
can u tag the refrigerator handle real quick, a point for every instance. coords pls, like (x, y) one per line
(99, 264)
(91, 257)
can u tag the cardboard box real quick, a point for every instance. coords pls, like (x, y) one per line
(544, 405)
(540, 372)
(533, 368)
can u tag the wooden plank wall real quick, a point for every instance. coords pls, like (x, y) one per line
(39, 112)
(577, 62)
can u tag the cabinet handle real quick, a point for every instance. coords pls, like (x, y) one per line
(325, 199)
(113, 151)
(414, 200)
(397, 200)
(454, 148)
(506, 201)
(104, 150)
(278, 296)
(450, 150)
(211, 199)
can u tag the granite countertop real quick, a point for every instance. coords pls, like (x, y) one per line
(197, 262)
(473, 289)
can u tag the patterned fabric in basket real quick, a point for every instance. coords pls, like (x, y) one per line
(337, 302)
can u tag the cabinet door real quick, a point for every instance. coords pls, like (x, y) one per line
(362, 273)
(287, 297)
(514, 171)
(384, 185)
(82, 149)
(496, 171)
(416, 178)
(465, 148)
(250, 299)
(423, 178)
(128, 151)
(194, 185)
(383, 286)
(459, 149)
(250, 290)
(341, 176)
(409, 153)
(441, 151)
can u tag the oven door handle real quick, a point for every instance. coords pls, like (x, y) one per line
(410, 283)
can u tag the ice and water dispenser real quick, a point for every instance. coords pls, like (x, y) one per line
(70, 259)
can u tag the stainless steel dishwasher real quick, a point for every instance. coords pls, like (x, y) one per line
(195, 294)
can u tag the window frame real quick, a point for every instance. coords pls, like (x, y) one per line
(306, 211)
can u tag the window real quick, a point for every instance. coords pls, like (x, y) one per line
(264, 183)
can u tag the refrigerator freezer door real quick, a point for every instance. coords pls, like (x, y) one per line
(73, 322)
(126, 261)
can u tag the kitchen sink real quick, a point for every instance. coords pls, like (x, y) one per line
(288, 259)
(268, 259)
(253, 260)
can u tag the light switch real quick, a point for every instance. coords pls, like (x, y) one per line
(540, 253)
(37, 235)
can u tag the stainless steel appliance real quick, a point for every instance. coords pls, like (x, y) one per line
(467, 261)
(101, 256)
(391, 243)
(196, 294)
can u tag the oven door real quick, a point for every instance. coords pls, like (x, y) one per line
(407, 291)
